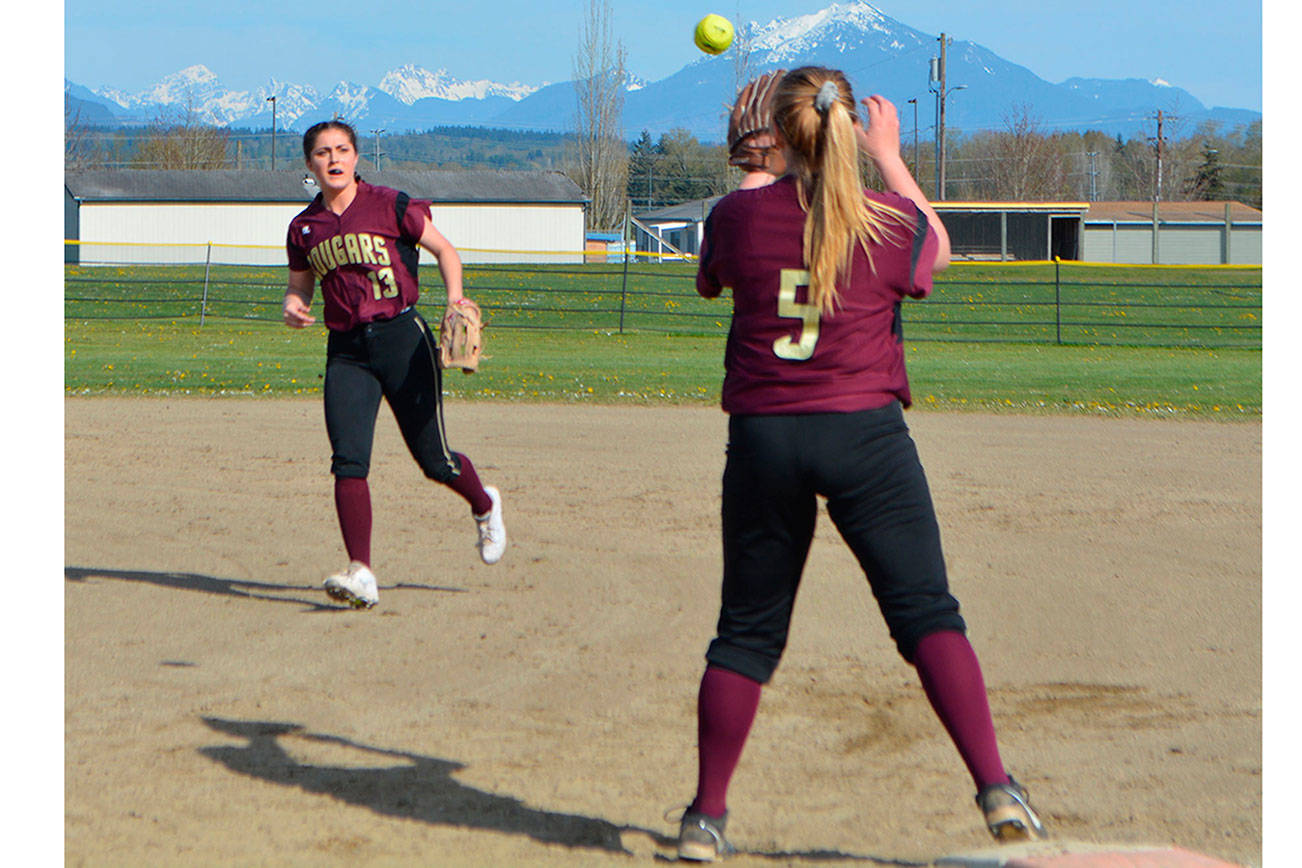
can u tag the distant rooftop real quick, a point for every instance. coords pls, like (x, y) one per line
(1192, 212)
(1091, 212)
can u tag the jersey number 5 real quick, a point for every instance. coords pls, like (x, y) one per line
(390, 286)
(808, 314)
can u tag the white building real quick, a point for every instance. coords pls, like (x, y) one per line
(1188, 233)
(240, 217)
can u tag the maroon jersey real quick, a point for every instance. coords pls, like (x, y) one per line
(784, 355)
(365, 258)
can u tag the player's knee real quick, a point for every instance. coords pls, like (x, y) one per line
(757, 664)
(440, 470)
(908, 633)
(348, 468)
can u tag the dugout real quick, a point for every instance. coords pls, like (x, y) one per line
(1010, 231)
(239, 216)
(998, 231)
(673, 230)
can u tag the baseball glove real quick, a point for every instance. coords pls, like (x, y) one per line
(751, 145)
(461, 336)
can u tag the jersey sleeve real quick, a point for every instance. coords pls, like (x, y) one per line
(918, 245)
(708, 284)
(412, 225)
(924, 246)
(293, 249)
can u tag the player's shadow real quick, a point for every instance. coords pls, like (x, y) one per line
(228, 587)
(423, 788)
(408, 785)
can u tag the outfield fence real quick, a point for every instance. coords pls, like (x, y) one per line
(1059, 302)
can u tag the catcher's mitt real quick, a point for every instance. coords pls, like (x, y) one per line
(461, 336)
(751, 145)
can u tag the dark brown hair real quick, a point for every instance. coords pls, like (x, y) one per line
(310, 137)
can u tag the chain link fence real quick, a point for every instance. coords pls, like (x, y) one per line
(1060, 302)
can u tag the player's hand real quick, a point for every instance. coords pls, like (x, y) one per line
(297, 313)
(880, 139)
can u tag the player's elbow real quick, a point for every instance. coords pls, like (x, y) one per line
(943, 256)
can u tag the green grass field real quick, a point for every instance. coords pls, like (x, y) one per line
(987, 339)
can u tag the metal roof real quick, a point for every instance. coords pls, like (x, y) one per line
(254, 185)
(1170, 212)
(1012, 207)
(694, 209)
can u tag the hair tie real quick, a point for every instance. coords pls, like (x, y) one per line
(827, 94)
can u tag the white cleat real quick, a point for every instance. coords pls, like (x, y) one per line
(355, 586)
(492, 530)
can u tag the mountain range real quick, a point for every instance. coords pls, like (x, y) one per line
(878, 53)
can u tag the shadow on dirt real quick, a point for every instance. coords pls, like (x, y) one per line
(232, 587)
(416, 787)
(424, 788)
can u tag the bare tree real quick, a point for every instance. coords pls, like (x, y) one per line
(78, 152)
(601, 160)
(743, 66)
(1025, 165)
(184, 143)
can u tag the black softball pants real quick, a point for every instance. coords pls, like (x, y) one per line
(396, 360)
(867, 466)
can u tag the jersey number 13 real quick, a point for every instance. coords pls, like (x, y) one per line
(383, 284)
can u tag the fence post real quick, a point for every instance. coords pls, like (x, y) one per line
(1057, 297)
(1227, 255)
(207, 266)
(623, 292)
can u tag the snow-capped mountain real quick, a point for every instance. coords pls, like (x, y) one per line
(839, 27)
(410, 83)
(878, 53)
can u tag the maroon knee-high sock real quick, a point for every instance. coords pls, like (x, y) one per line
(467, 484)
(725, 709)
(353, 504)
(951, 677)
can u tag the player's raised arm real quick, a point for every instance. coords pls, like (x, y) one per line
(880, 141)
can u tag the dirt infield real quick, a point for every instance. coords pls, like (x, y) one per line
(221, 711)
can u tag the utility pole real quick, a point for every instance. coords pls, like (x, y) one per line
(377, 148)
(272, 100)
(938, 86)
(940, 124)
(1159, 146)
(915, 135)
(1094, 174)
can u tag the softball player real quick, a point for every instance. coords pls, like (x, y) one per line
(814, 387)
(361, 241)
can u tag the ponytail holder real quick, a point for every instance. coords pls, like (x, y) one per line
(827, 94)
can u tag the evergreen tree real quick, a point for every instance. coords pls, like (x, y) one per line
(1206, 184)
(641, 171)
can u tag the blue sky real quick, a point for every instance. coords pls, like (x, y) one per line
(1193, 44)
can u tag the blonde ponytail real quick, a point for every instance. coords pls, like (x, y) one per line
(814, 109)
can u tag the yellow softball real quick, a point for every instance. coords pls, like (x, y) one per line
(714, 34)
